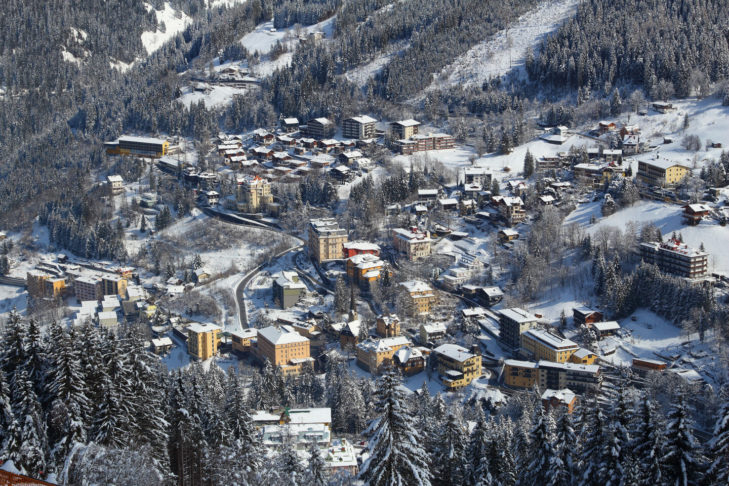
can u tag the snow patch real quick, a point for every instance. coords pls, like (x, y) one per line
(505, 51)
(217, 96)
(175, 22)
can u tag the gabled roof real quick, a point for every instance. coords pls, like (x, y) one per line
(277, 336)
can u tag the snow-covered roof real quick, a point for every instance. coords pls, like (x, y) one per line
(492, 291)
(448, 201)
(583, 353)
(323, 121)
(164, 341)
(606, 326)
(405, 354)
(509, 232)
(550, 340)
(454, 352)
(289, 280)
(416, 286)
(291, 121)
(132, 139)
(115, 178)
(699, 208)
(565, 395)
(518, 315)
(385, 344)
(207, 327)
(277, 336)
(663, 163)
(408, 123)
(436, 328)
(427, 192)
(361, 246)
(107, 315)
(569, 366)
(364, 119)
(520, 364)
(249, 333)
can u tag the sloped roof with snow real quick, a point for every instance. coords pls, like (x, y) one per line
(277, 336)
(454, 352)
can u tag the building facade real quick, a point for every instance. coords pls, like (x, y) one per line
(374, 354)
(142, 146)
(287, 289)
(326, 240)
(540, 344)
(661, 173)
(457, 367)
(412, 242)
(284, 348)
(254, 194)
(388, 326)
(422, 296)
(404, 129)
(203, 340)
(360, 127)
(512, 323)
(675, 257)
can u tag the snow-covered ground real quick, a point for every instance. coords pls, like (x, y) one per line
(218, 96)
(504, 52)
(361, 74)
(667, 217)
(175, 22)
(12, 298)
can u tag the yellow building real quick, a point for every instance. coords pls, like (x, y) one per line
(35, 281)
(326, 240)
(55, 287)
(520, 374)
(421, 295)
(373, 354)
(203, 340)
(404, 129)
(254, 194)
(243, 340)
(583, 356)
(365, 269)
(457, 366)
(114, 286)
(544, 345)
(284, 348)
(661, 172)
(388, 326)
(142, 146)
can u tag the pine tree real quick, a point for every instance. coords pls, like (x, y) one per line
(317, 467)
(719, 469)
(647, 444)
(244, 441)
(592, 436)
(289, 465)
(450, 456)
(564, 470)
(479, 443)
(396, 455)
(6, 415)
(13, 345)
(33, 442)
(528, 164)
(682, 460)
(541, 454)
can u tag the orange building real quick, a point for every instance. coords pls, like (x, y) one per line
(388, 326)
(283, 347)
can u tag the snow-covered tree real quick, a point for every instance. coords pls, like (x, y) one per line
(719, 453)
(541, 455)
(564, 470)
(450, 455)
(683, 461)
(477, 472)
(32, 445)
(396, 454)
(317, 467)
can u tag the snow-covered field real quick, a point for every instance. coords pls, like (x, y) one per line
(361, 74)
(175, 22)
(667, 217)
(218, 96)
(12, 298)
(505, 51)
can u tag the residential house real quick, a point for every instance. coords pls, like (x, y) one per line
(244, 340)
(430, 333)
(583, 356)
(388, 325)
(287, 288)
(607, 328)
(284, 348)
(414, 243)
(663, 107)
(349, 334)
(373, 354)
(359, 127)
(116, 183)
(511, 209)
(161, 345)
(582, 316)
(512, 323)
(365, 269)
(554, 399)
(341, 457)
(352, 248)
(457, 367)
(410, 360)
(478, 176)
(448, 204)
(289, 124)
(203, 340)
(211, 198)
(350, 157)
(326, 240)
(694, 213)
(577, 377)
(422, 297)
(506, 235)
(108, 320)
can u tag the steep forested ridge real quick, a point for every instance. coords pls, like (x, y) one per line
(666, 46)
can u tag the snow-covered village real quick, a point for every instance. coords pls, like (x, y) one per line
(373, 242)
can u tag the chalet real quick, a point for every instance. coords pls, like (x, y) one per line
(281, 157)
(341, 173)
(410, 360)
(309, 142)
(261, 153)
(349, 334)
(477, 176)
(286, 140)
(643, 364)
(321, 161)
(554, 399)
(630, 144)
(546, 200)
(606, 328)
(694, 213)
(511, 209)
(556, 136)
(508, 234)
(489, 295)
(263, 136)
(290, 124)
(161, 345)
(606, 127)
(350, 157)
(427, 196)
(584, 316)
(448, 204)
(663, 107)
(430, 333)
(211, 197)
(328, 144)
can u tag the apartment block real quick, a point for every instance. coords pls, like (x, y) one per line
(457, 367)
(360, 127)
(415, 244)
(326, 240)
(283, 347)
(512, 323)
(675, 257)
(203, 340)
(540, 344)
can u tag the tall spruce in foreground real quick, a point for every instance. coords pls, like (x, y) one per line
(479, 443)
(564, 470)
(450, 457)
(541, 454)
(719, 470)
(317, 466)
(396, 454)
(647, 444)
(683, 462)
(6, 416)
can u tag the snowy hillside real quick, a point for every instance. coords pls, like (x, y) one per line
(174, 22)
(505, 51)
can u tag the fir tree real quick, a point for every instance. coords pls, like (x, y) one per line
(564, 470)
(32, 445)
(528, 164)
(6, 415)
(317, 467)
(541, 454)
(450, 456)
(396, 455)
(478, 452)
(719, 469)
(647, 444)
(683, 463)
